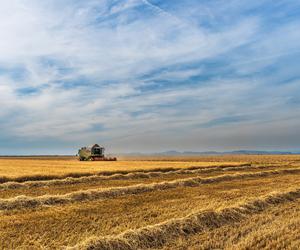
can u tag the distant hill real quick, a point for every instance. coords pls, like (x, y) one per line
(236, 152)
(171, 153)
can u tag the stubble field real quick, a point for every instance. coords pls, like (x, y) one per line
(208, 202)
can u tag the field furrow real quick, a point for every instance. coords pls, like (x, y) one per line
(95, 194)
(70, 184)
(158, 235)
(218, 202)
(32, 169)
(275, 228)
(81, 220)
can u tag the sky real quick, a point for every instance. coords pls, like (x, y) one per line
(149, 75)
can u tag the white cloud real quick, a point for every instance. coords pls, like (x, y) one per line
(87, 62)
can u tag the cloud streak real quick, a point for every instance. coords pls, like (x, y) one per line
(123, 71)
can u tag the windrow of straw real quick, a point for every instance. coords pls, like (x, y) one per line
(157, 236)
(20, 179)
(21, 202)
(127, 176)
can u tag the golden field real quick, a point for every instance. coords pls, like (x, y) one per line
(208, 202)
(17, 167)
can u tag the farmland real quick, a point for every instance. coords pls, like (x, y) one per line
(219, 202)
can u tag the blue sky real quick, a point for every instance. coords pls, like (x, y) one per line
(149, 76)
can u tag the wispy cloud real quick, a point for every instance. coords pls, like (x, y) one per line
(76, 72)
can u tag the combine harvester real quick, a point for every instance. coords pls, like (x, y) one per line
(93, 153)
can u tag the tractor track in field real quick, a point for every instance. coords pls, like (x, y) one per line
(23, 202)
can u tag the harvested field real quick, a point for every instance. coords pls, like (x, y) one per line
(242, 202)
(20, 168)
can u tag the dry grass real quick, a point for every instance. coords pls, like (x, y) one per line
(108, 217)
(21, 202)
(24, 167)
(276, 228)
(158, 235)
(121, 174)
(67, 185)
(218, 207)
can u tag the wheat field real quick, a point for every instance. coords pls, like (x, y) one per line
(203, 202)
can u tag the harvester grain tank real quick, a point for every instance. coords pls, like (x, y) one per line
(93, 153)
